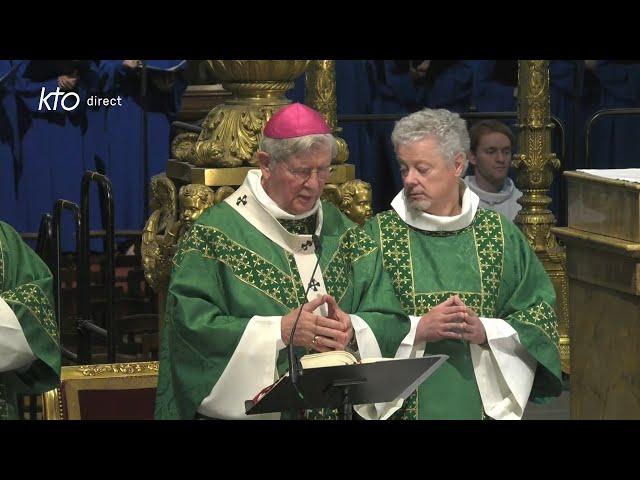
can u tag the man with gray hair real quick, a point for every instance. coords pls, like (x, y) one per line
(471, 284)
(240, 275)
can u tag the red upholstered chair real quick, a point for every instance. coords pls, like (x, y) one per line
(116, 391)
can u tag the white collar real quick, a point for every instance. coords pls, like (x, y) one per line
(492, 198)
(436, 223)
(254, 182)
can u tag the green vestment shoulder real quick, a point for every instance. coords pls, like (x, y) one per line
(26, 286)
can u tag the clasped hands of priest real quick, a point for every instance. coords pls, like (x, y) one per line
(323, 334)
(451, 320)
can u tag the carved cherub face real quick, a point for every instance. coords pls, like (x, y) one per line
(193, 202)
(192, 209)
(358, 204)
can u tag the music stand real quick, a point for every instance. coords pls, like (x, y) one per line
(343, 386)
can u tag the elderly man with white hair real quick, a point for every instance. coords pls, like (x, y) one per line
(471, 284)
(240, 276)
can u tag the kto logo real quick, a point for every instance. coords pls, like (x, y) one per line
(64, 102)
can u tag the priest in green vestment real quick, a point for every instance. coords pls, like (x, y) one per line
(29, 348)
(240, 275)
(469, 280)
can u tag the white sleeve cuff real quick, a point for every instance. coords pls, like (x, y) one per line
(504, 371)
(368, 347)
(15, 352)
(367, 343)
(278, 333)
(251, 368)
(407, 349)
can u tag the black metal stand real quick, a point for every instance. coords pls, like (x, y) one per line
(84, 325)
(345, 385)
(341, 387)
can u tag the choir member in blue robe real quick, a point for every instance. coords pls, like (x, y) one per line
(53, 160)
(10, 159)
(614, 140)
(448, 84)
(393, 91)
(124, 162)
(494, 85)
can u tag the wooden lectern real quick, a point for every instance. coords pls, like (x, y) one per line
(603, 266)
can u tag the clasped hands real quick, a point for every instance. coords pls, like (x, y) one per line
(451, 320)
(333, 332)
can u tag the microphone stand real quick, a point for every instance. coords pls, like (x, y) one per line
(295, 367)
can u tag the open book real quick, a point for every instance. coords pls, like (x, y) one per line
(334, 358)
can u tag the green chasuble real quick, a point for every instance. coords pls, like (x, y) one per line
(26, 288)
(493, 269)
(227, 271)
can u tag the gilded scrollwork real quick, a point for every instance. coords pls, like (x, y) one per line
(221, 193)
(331, 193)
(321, 95)
(163, 203)
(183, 147)
(342, 154)
(321, 74)
(231, 132)
(257, 71)
(230, 136)
(535, 164)
(118, 368)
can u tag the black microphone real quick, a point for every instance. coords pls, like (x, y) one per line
(295, 367)
(316, 242)
(143, 78)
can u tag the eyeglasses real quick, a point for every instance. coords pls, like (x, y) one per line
(304, 174)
